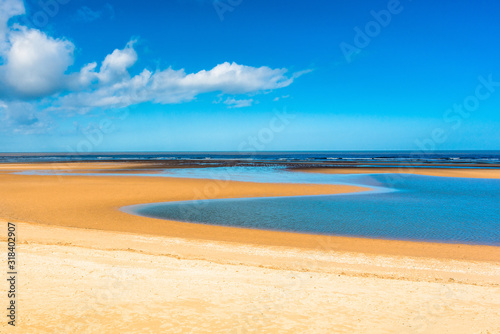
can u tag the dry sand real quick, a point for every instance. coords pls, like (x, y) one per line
(86, 267)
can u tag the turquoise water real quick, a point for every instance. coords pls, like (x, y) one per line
(409, 207)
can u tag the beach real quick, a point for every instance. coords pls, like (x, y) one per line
(244, 167)
(87, 267)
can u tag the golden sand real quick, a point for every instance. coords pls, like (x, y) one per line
(86, 267)
(74, 280)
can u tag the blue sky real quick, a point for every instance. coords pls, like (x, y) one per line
(227, 75)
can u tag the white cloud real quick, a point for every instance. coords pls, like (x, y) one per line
(34, 76)
(233, 103)
(116, 89)
(237, 79)
(35, 63)
(115, 65)
(84, 78)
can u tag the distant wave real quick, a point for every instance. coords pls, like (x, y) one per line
(456, 157)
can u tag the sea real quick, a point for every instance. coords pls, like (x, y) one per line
(457, 157)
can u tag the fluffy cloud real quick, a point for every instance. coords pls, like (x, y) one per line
(35, 63)
(114, 67)
(34, 76)
(237, 79)
(116, 89)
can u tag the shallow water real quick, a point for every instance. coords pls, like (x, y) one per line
(408, 207)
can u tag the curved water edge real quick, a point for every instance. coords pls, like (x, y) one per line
(414, 207)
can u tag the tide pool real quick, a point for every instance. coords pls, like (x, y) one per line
(408, 207)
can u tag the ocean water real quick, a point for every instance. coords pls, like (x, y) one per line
(389, 157)
(408, 207)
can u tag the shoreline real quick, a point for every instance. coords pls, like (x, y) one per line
(94, 202)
